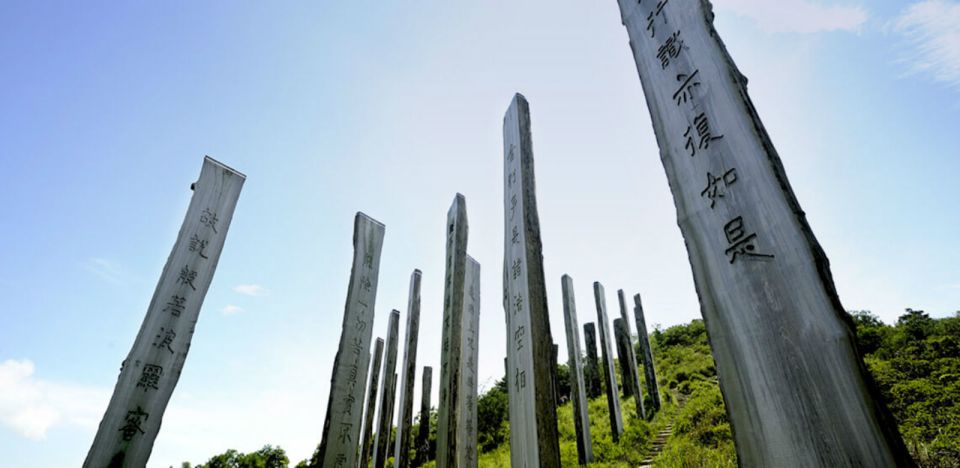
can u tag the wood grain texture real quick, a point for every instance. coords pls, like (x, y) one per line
(150, 373)
(470, 341)
(387, 393)
(610, 374)
(401, 453)
(796, 389)
(581, 419)
(366, 446)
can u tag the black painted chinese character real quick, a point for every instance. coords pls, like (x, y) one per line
(670, 49)
(716, 186)
(164, 339)
(175, 305)
(209, 219)
(133, 420)
(685, 91)
(702, 125)
(197, 245)
(654, 13)
(516, 268)
(741, 243)
(187, 277)
(150, 377)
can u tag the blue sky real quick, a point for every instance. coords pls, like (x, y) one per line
(333, 108)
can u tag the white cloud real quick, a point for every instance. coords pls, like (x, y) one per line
(33, 406)
(251, 289)
(931, 30)
(798, 16)
(231, 309)
(109, 271)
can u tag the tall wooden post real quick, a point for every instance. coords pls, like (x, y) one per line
(367, 446)
(610, 377)
(467, 429)
(341, 427)
(387, 393)
(625, 350)
(581, 420)
(592, 370)
(533, 411)
(423, 435)
(796, 388)
(628, 387)
(401, 457)
(451, 352)
(650, 374)
(152, 368)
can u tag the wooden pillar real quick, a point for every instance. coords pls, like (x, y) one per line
(388, 394)
(592, 370)
(610, 377)
(423, 436)
(625, 350)
(152, 368)
(650, 374)
(401, 457)
(796, 389)
(451, 352)
(628, 384)
(533, 411)
(467, 428)
(367, 446)
(581, 420)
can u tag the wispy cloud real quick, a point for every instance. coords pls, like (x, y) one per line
(251, 289)
(798, 16)
(931, 32)
(231, 309)
(33, 406)
(105, 269)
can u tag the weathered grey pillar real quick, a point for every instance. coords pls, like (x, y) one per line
(423, 436)
(341, 427)
(451, 352)
(401, 457)
(533, 410)
(650, 375)
(610, 376)
(625, 350)
(581, 420)
(367, 446)
(387, 394)
(628, 384)
(152, 368)
(555, 353)
(467, 429)
(592, 370)
(797, 391)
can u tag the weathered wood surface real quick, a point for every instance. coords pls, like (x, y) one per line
(533, 417)
(625, 350)
(467, 426)
(649, 370)
(628, 385)
(581, 419)
(401, 456)
(591, 372)
(367, 444)
(797, 391)
(387, 393)
(150, 373)
(341, 427)
(610, 376)
(451, 352)
(423, 435)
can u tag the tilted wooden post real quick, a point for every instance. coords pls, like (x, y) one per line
(628, 385)
(152, 368)
(610, 376)
(367, 446)
(467, 429)
(387, 393)
(401, 457)
(650, 374)
(592, 370)
(625, 350)
(581, 420)
(341, 427)
(796, 389)
(423, 435)
(451, 351)
(534, 440)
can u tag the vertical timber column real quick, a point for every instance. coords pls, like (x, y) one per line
(448, 418)
(581, 420)
(467, 429)
(628, 384)
(796, 388)
(388, 393)
(649, 370)
(152, 368)
(625, 349)
(592, 371)
(367, 446)
(401, 457)
(533, 410)
(341, 427)
(423, 436)
(606, 348)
